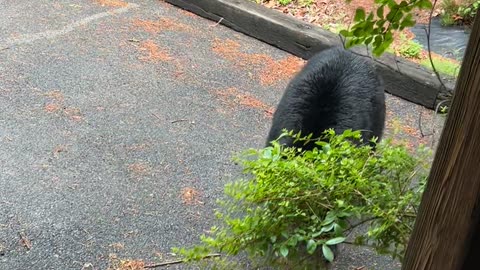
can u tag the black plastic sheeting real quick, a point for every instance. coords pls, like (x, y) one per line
(448, 41)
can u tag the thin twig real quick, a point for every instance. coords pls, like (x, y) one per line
(221, 19)
(396, 62)
(420, 126)
(428, 33)
(179, 120)
(26, 242)
(360, 223)
(158, 117)
(155, 265)
(429, 48)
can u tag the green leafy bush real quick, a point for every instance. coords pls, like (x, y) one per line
(459, 12)
(376, 28)
(449, 9)
(284, 2)
(296, 206)
(469, 11)
(410, 49)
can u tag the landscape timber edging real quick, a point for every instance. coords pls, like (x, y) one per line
(402, 78)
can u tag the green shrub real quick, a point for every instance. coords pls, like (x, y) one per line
(450, 8)
(447, 20)
(284, 2)
(469, 11)
(410, 49)
(454, 13)
(294, 206)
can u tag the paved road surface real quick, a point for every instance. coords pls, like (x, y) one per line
(118, 122)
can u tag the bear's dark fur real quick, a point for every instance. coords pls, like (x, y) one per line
(336, 89)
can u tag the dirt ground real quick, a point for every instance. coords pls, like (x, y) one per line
(324, 12)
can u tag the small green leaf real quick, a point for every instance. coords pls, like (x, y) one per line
(335, 241)
(368, 41)
(370, 16)
(329, 218)
(391, 4)
(398, 16)
(425, 4)
(293, 241)
(337, 229)
(273, 238)
(378, 41)
(359, 32)
(343, 214)
(327, 253)
(317, 234)
(408, 21)
(369, 27)
(380, 11)
(326, 147)
(391, 15)
(359, 15)
(345, 33)
(380, 23)
(311, 246)
(383, 46)
(284, 251)
(267, 153)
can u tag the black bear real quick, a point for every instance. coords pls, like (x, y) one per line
(335, 89)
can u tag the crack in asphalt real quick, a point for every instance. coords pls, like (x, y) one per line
(50, 34)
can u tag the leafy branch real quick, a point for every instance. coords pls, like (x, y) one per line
(295, 204)
(376, 28)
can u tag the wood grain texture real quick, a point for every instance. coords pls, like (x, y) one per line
(448, 219)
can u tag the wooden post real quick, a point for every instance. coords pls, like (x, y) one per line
(448, 220)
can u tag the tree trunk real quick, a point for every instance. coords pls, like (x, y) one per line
(448, 219)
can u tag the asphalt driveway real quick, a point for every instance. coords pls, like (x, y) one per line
(118, 122)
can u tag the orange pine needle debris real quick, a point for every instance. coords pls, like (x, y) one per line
(232, 96)
(190, 196)
(283, 69)
(139, 168)
(272, 71)
(51, 108)
(112, 3)
(152, 52)
(131, 265)
(161, 25)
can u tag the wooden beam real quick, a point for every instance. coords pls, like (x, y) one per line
(448, 220)
(402, 78)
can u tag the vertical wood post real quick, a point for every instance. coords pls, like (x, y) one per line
(448, 220)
